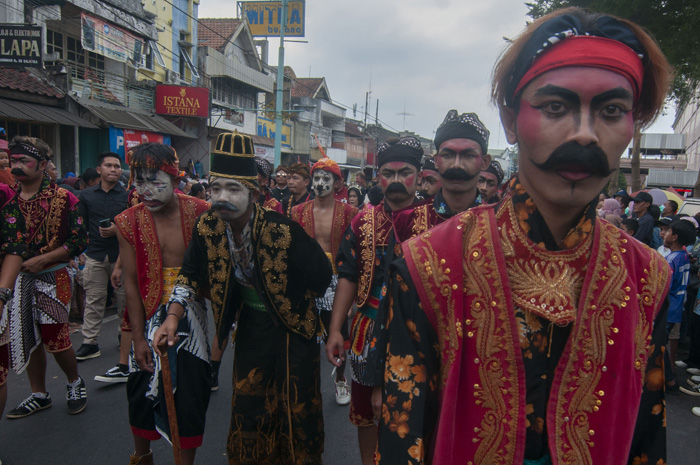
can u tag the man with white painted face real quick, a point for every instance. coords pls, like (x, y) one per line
(530, 331)
(361, 264)
(263, 272)
(298, 183)
(325, 218)
(41, 231)
(153, 236)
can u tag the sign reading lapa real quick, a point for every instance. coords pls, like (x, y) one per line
(264, 17)
(20, 46)
(182, 101)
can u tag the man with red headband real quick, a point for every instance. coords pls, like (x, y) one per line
(153, 236)
(325, 218)
(41, 231)
(530, 331)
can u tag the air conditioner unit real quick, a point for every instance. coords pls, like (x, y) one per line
(172, 77)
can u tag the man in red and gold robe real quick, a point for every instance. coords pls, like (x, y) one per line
(325, 218)
(530, 331)
(153, 237)
(362, 263)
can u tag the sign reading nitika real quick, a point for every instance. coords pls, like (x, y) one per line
(20, 46)
(264, 17)
(182, 101)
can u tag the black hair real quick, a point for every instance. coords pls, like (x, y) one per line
(685, 232)
(674, 205)
(103, 155)
(196, 189)
(89, 175)
(631, 224)
(655, 212)
(151, 154)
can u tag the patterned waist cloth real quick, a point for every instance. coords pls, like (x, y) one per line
(169, 277)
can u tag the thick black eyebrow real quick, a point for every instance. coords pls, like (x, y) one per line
(611, 94)
(555, 91)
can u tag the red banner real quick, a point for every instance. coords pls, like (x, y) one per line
(182, 101)
(132, 138)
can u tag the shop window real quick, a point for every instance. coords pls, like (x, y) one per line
(54, 43)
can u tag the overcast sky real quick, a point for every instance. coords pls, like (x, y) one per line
(422, 57)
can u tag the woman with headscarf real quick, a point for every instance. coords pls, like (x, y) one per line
(355, 197)
(611, 211)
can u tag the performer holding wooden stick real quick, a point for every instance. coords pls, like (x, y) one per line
(153, 237)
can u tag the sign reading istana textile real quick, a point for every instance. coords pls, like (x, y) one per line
(266, 128)
(182, 101)
(264, 17)
(109, 40)
(20, 46)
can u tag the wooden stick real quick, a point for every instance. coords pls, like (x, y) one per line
(170, 404)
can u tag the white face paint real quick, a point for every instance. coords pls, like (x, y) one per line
(229, 198)
(322, 183)
(155, 189)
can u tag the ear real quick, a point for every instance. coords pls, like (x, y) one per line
(255, 194)
(485, 161)
(43, 165)
(508, 118)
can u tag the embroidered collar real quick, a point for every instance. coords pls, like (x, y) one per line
(533, 223)
(443, 210)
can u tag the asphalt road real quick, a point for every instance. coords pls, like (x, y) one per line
(101, 434)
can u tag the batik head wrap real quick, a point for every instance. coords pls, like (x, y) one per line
(301, 169)
(264, 167)
(327, 164)
(495, 169)
(464, 126)
(22, 148)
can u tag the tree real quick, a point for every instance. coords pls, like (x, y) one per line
(674, 24)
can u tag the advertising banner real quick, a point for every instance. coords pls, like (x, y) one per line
(20, 46)
(123, 140)
(111, 41)
(264, 17)
(266, 128)
(182, 101)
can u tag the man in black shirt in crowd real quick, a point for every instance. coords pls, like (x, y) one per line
(281, 190)
(642, 202)
(99, 205)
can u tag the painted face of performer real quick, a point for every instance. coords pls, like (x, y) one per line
(26, 168)
(155, 188)
(459, 162)
(399, 181)
(487, 185)
(229, 198)
(431, 183)
(323, 183)
(572, 126)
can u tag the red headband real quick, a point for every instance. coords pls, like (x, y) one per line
(592, 51)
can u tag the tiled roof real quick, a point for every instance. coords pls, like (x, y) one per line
(25, 81)
(306, 87)
(215, 32)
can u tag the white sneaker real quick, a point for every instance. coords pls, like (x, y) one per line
(693, 371)
(342, 393)
(695, 379)
(681, 364)
(696, 411)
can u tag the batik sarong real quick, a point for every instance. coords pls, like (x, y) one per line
(39, 299)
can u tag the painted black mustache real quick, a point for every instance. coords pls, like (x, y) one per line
(17, 172)
(456, 174)
(396, 188)
(590, 158)
(221, 205)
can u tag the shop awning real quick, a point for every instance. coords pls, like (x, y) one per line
(40, 113)
(129, 118)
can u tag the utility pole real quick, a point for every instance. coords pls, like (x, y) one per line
(280, 88)
(364, 134)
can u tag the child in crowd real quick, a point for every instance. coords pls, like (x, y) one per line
(630, 226)
(663, 225)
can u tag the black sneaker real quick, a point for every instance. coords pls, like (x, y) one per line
(30, 405)
(114, 375)
(87, 351)
(77, 397)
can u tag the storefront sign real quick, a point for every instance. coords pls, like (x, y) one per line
(182, 101)
(264, 18)
(111, 41)
(20, 46)
(123, 140)
(266, 128)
